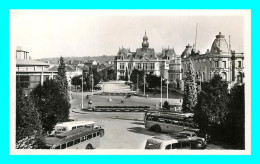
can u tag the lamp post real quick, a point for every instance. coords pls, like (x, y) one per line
(82, 93)
(137, 88)
(161, 91)
(92, 84)
(167, 82)
(144, 84)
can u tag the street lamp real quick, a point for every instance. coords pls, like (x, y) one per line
(167, 82)
(82, 93)
(161, 91)
(144, 84)
(92, 83)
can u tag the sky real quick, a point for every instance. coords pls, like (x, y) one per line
(55, 33)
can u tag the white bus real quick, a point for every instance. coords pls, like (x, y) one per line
(82, 138)
(73, 125)
(178, 141)
(168, 122)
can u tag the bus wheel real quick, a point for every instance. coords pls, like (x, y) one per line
(89, 147)
(157, 129)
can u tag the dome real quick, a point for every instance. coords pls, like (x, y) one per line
(219, 45)
(145, 43)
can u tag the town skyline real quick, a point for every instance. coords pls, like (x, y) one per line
(49, 34)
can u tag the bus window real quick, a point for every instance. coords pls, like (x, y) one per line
(76, 141)
(176, 146)
(186, 145)
(83, 138)
(79, 126)
(69, 144)
(74, 127)
(58, 147)
(63, 146)
(168, 147)
(97, 133)
(94, 135)
(161, 120)
(89, 136)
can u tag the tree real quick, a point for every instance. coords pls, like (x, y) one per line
(28, 121)
(153, 80)
(52, 102)
(62, 78)
(236, 118)
(126, 74)
(212, 107)
(190, 90)
(76, 80)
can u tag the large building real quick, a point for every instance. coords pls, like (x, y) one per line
(143, 58)
(219, 60)
(175, 73)
(30, 73)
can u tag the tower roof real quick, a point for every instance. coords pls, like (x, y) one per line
(219, 45)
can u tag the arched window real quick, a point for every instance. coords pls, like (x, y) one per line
(224, 76)
(239, 77)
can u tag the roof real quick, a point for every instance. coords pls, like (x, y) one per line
(75, 123)
(25, 62)
(219, 45)
(68, 68)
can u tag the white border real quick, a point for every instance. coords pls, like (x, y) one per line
(247, 63)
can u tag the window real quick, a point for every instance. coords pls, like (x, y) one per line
(69, 144)
(84, 138)
(45, 77)
(224, 64)
(76, 141)
(239, 64)
(97, 133)
(89, 137)
(122, 65)
(239, 77)
(94, 135)
(186, 145)
(34, 81)
(74, 127)
(216, 63)
(79, 126)
(224, 76)
(152, 66)
(168, 147)
(30, 68)
(129, 66)
(139, 66)
(58, 147)
(63, 146)
(176, 146)
(24, 81)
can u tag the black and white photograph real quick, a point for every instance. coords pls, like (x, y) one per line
(130, 82)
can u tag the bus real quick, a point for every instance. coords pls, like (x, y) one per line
(169, 122)
(177, 141)
(72, 125)
(82, 138)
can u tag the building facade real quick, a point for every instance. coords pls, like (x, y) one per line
(219, 60)
(143, 58)
(30, 73)
(175, 74)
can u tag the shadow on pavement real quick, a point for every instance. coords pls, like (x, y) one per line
(142, 130)
(138, 123)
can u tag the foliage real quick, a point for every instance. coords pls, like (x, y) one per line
(31, 142)
(211, 111)
(133, 77)
(62, 75)
(76, 80)
(52, 102)
(153, 80)
(27, 117)
(166, 105)
(236, 118)
(111, 74)
(190, 89)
